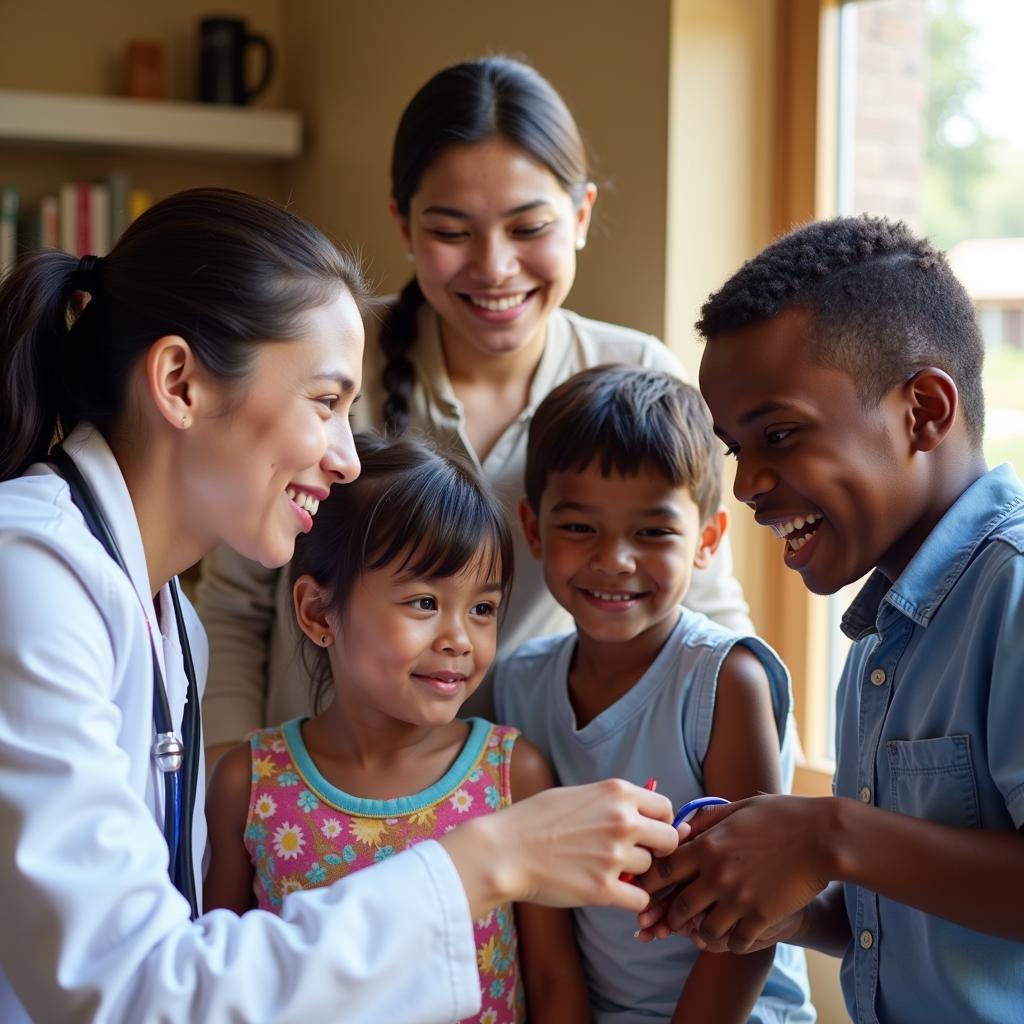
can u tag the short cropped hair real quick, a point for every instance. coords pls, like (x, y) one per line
(624, 418)
(883, 304)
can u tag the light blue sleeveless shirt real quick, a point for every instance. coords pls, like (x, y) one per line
(660, 728)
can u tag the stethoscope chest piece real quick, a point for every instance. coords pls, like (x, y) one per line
(168, 752)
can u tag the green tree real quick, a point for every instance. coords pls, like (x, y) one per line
(960, 160)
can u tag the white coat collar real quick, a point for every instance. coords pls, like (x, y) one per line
(92, 455)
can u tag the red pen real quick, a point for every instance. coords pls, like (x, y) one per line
(628, 876)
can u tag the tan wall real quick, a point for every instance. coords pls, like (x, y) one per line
(669, 225)
(720, 188)
(356, 65)
(74, 47)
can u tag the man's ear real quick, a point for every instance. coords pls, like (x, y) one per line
(531, 527)
(310, 612)
(710, 537)
(171, 375)
(932, 405)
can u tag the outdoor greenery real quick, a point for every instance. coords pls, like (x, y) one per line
(1004, 402)
(973, 189)
(972, 185)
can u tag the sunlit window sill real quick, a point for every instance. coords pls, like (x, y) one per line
(813, 777)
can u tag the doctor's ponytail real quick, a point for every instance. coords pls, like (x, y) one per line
(35, 301)
(219, 268)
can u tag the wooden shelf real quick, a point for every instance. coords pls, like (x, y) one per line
(130, 124)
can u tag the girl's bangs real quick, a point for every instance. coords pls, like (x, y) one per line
(437, 527)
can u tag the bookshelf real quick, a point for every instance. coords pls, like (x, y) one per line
(76, 168)
(148, 126)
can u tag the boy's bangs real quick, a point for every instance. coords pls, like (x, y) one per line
(615, 445)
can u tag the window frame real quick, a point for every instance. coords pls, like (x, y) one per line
(805, 165)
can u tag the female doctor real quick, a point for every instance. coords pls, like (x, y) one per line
(202, 397)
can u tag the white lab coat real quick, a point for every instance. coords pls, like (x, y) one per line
(95, 931)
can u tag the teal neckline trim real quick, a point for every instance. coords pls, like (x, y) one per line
(472, 749)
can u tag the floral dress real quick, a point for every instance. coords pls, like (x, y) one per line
(302, 832)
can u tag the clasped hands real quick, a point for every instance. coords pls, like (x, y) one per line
(741, 877)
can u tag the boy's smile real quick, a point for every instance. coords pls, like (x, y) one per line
(831, 474)
(618, 551)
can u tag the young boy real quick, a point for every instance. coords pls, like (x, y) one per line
(622, 492)
(843, 371)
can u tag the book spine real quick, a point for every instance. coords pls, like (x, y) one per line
(120, 185)
(99, 219)
(139, 201)
(9, 203)
(69, 218)
(83, 206)
(49, 223)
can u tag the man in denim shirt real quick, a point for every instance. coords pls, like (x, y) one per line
(844, 374)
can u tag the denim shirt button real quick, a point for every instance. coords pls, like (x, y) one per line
(878, 677)
(865, 795)
(867, 940)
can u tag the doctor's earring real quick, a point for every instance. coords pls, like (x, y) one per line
(581, 243)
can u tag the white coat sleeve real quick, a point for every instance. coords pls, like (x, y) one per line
(96, 932)
(235, 600)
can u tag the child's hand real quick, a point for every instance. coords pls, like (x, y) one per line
(743, 876)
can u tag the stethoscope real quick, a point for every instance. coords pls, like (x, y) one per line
(170, 753)
(688, 810)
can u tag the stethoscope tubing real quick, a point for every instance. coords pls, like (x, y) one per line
(689, 809)
(179, 784)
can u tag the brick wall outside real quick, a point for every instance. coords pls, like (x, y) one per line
(890, 109)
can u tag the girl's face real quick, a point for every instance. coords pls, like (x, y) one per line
(258, 473)
(412, 650)
(494, 236)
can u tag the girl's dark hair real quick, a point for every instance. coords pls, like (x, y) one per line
(220, 268)
(424, 510)
(494, 97)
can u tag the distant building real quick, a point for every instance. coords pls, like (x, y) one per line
(992, 271)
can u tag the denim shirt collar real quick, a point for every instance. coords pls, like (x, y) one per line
(941, 559)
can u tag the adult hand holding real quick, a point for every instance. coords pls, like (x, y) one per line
(742, 878)
(564, 847)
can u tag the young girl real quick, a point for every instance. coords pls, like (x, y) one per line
(201, 397)
(492, 197)
(398, 587)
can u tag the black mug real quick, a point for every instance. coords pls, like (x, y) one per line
(223, 42)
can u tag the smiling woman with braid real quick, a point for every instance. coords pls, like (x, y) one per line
(491, 194)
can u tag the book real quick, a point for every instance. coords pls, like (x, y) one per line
(83, 219)
(139, 201)
(84, 216)
(68, 205)
(48, 224)
(9, 204)
(120, 186)
(99, 220)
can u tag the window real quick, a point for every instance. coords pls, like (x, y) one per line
(930, 131)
